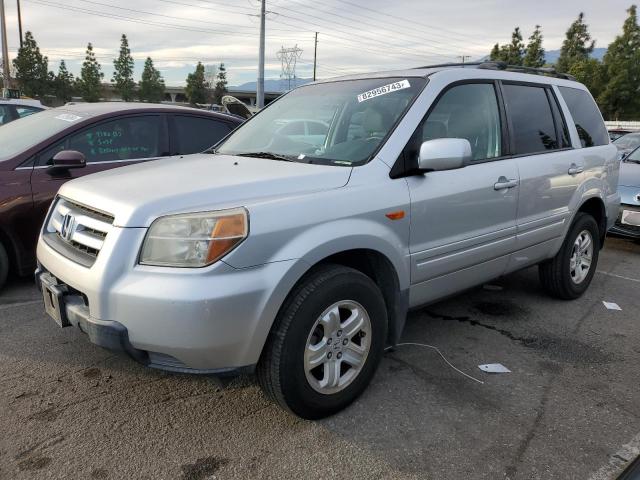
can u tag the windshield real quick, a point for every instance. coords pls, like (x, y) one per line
(634, 156)
(339, 123)
(631, 140)
(19, 135)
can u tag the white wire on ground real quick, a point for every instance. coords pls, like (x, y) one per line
(440, 353)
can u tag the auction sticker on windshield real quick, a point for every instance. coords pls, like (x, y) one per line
(376, 92)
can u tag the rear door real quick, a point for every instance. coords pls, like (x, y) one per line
(549, 169)
(463, 222)
(194, 134)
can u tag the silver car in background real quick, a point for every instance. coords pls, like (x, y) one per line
(300, 259)
(628, 222)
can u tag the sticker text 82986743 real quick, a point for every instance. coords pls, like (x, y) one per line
(383, 90)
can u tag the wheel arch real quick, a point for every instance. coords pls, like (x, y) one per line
(595, 207)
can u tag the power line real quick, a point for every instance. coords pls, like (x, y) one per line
(409, 21)
(140, 21)
(405, 33)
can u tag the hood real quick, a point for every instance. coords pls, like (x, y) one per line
(136, 195)
(629, 174)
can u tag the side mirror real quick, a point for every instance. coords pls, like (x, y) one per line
(444, 154)
(69, 159)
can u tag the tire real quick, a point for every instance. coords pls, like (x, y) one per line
(4, 265)
(307, 321)
(558, 275)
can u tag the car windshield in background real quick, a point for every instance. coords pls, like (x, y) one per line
(634, 156)
(18, 136)
(339, 123)
(630, 140)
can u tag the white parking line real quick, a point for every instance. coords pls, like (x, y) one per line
(620, 276)
(19, 304)
(619, 461)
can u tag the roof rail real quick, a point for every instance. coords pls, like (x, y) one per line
(495, 65)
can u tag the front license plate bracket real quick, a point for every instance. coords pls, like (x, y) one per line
(53, 296)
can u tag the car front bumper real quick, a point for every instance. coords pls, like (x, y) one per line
(209, 320)
(625, 229)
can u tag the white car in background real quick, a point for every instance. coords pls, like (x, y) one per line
(11, 109)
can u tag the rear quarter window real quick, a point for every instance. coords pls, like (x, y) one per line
(586, 117)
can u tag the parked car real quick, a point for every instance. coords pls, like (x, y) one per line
(616, 133)
(11, 110)
(627, 143)
(300, 263)
(628, 222)
(107, 135)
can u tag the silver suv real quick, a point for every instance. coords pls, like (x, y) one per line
(299, 258)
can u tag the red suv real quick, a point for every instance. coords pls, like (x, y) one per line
(40, 152)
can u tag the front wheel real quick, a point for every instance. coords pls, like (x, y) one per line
(569, 273)
(325, 344)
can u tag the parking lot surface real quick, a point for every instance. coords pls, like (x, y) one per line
(570, 408)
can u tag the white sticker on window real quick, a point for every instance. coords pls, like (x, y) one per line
(68, 117)
(376, 92)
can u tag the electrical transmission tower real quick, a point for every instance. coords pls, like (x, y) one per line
(289, 58)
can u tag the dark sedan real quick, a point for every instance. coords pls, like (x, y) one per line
(40, 152)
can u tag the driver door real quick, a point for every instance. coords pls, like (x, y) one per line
(463, 222)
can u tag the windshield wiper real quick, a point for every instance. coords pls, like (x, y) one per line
(269, 155)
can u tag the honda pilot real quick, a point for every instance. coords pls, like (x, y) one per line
(298, 255)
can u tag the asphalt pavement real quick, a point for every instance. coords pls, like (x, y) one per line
(570, 408)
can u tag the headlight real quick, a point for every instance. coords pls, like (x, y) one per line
(194, 239)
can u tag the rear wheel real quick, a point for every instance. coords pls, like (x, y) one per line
(325, 344)
(569, 273)
(4, 265)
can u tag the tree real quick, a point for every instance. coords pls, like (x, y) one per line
(512, 53)
(196, 88)
(123, 71)
(63, 83)
(577, 45)
(89, 83)
(534, 56)
(31, 68)
(592, 73)
(151, 85)
(620, 98)
(220, 89)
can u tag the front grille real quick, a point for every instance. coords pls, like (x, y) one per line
(77, 231)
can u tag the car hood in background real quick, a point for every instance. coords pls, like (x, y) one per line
(138, 194)
(629, 174)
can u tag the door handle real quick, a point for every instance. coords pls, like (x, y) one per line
(575, 169)
(503, 183)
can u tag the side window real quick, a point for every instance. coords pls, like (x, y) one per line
(126, 138)
(196, 134)
(5, 114)
(467, 111)
(534, 130)
(586, 116)
(25, 111)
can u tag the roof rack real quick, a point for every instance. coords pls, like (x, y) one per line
(490, 65)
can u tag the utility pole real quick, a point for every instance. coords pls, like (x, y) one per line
(5, 49)
(19, 23)
(464, 58)
(315, 57)
(260, 86)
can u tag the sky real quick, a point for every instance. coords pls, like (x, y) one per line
(354, 36)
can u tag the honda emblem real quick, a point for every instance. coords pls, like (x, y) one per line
(68, 227)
